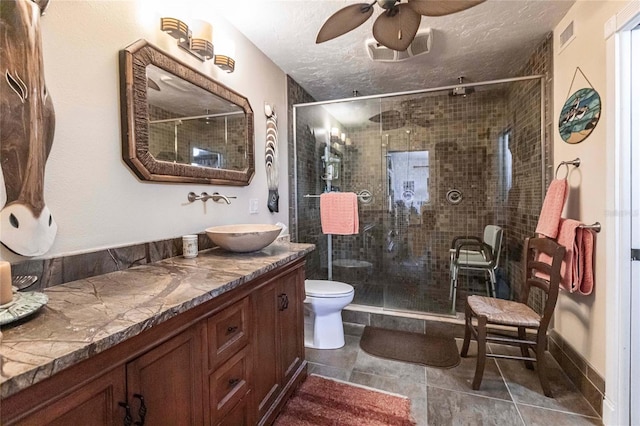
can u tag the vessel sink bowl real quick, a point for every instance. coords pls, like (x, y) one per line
(243, 238)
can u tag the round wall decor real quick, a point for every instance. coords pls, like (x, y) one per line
(579, 115)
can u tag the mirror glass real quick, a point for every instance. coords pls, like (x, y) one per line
(189, 125)
(182, 126)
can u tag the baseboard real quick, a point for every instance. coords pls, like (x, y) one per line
(587, 380)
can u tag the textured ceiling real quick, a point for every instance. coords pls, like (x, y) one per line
(490, 41)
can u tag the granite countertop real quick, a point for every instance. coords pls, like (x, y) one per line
(88, 316)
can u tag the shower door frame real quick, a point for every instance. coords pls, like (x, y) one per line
(544, 169)
(546, 152)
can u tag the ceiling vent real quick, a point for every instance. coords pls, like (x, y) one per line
(420, 45)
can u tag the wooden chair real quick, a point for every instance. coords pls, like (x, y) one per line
(518, 314)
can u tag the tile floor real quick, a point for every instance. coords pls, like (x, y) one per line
(509, 395)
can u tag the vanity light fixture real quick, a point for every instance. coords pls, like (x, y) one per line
(224, 55)
(225, 63)
(197, 43)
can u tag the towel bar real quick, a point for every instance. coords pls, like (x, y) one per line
(595, 226)
(364, 196)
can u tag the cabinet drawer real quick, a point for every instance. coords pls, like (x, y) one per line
(238, 416)
(229, 384)
(227, 332)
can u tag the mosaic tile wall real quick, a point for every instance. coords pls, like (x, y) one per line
(525, 204)
(412, 241)
(305, 227)
(220, 136)
(295, 95)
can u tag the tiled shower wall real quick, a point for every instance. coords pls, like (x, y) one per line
(296, 95)
(524, 205)
(460, 135)
(305, 226)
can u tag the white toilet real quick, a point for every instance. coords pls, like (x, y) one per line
(323, 313)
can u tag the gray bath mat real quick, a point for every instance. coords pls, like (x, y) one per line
(417, 348)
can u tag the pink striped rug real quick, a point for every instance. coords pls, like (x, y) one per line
(321, 401)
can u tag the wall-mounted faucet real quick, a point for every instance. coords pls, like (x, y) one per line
(192, 196)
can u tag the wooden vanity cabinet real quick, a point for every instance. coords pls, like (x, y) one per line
(232, 361)
(95, 404)
(278, 342)
(164, 386)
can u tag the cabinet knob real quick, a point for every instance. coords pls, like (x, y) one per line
(233, 382)
(232, 329)
(127, 414)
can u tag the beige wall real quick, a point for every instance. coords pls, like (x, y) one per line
(94, 197)
(581, 319)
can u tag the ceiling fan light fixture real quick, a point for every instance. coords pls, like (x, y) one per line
(397, 28)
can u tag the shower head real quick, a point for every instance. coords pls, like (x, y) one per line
(462, 90)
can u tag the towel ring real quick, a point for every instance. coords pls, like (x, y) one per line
(575, 163)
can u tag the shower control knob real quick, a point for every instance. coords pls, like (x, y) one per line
(454, 196)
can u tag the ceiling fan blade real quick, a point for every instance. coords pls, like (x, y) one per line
(391, 115)
(442, 7)
(396, 28)
(390, 120)
(344, 20)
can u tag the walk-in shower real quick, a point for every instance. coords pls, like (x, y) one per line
(428, 167)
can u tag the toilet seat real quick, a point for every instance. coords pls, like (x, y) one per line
(327, 289)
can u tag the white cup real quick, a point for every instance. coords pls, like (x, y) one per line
(190, 246)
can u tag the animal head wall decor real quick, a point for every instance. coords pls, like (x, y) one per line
(27, 124)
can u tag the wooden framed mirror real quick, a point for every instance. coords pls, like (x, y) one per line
(180, 125)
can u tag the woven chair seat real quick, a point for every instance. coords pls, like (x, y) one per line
(504, 312)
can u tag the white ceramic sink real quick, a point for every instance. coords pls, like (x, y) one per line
(243, 238)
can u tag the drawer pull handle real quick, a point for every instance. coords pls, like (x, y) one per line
(284, 301)
(233, 382)
(232, 329)
(142, 411)
(127, 414)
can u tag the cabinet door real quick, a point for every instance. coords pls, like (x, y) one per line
(169, 378)
(266, 384)
(290, 324)
(93, 404)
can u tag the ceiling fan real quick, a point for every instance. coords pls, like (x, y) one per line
(396, 27)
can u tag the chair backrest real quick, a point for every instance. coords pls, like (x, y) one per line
(493, 237)
(541, 274)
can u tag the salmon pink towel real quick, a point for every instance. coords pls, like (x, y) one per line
(577, 266)
(549, 220)
(339, 213)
